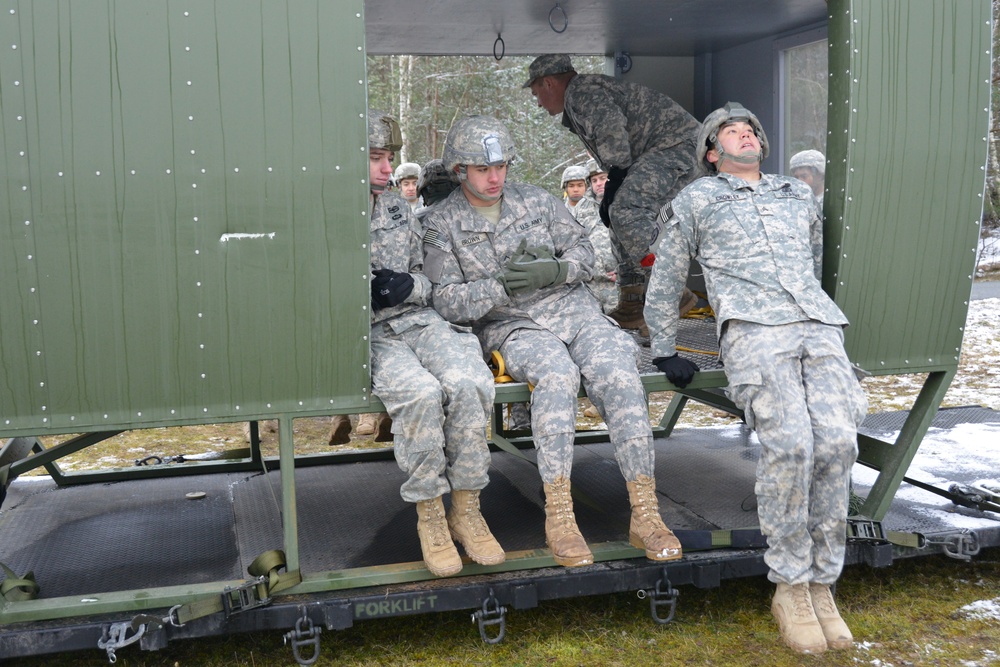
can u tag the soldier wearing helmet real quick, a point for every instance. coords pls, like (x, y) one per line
(430, 376)
(510, 259)
(406, 177)
(759, 240)
(810, 168)
(587, 213)
(574, 186)
(597, 177)
(646, 143)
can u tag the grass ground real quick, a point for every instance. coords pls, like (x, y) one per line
(910, 614)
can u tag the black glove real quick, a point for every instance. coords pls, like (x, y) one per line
(390, 288)
(616, 175)
(678, 370)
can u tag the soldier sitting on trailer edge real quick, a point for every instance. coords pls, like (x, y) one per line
(509, 258)
(430, 375)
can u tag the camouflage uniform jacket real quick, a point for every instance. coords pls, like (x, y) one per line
(761, 250)
(619, 121)
(588, 213)
(464, 254)
(396, 238)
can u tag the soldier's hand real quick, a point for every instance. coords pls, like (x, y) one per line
(616, 176)
(679, 371)
(390, 288)
(528, 275)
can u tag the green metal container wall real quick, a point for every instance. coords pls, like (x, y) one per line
(185, 228)
(908, 125)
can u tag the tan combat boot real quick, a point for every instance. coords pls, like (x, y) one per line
(340, 430)
(383, 428)
(631, 301)
(838, 635)
(468, 528)
(646, 529)
(366, 424)
(792, 608)
(440, 555)
(569, 549)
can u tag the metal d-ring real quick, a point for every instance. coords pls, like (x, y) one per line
(503, 48)
(565, 19)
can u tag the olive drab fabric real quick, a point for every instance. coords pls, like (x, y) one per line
(429, 374)
(760, 245)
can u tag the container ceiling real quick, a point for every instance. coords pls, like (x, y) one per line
(641, 27)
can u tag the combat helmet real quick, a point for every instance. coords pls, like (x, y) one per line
(593, 168)
(407, 170)
(435, 182)
(810, 158)
(574, 173)
(478, 140)
(731, 113)
(383, 131)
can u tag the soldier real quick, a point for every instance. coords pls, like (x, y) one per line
(810, 168)
(646, 143)
(406, 177)
(597, 178)
(431, 377)
(510, 258)
(588, 214)
(433, 185)
(574, 186)
(759, 240)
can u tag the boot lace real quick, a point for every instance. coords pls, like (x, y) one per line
(823, 600)
(801, 601)
(474, 518)
(437, 527)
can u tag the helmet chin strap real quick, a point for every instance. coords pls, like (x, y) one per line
(745, 158)
(463, 177)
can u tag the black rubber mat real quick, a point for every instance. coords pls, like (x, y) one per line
(889, 422)
(123, 536)
(696, 340)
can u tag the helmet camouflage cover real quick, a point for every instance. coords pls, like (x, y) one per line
(383, 131)
(733, 112)
(407, 170)
(574, 173)
(810, 158)
(478, 140)
(594, 168)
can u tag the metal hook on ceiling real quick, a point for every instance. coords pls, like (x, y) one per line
(565, 19)
(503, 48)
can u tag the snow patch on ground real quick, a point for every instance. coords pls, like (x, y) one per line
(981, 610)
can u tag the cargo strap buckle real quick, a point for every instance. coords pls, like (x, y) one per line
(117, 636)
(305, 634)
(252, 594)
(860, 529)
(491, 613)
(661, 595)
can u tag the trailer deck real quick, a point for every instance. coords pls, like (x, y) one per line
(359, 553)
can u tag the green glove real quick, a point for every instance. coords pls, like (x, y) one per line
(524, 274)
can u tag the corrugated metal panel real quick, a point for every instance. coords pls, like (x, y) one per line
(150, 131)
(909, 100)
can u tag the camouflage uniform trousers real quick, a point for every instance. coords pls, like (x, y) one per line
(604, 290)
(652, 181)
(605, 357)
(799, 392)
(438, 391)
